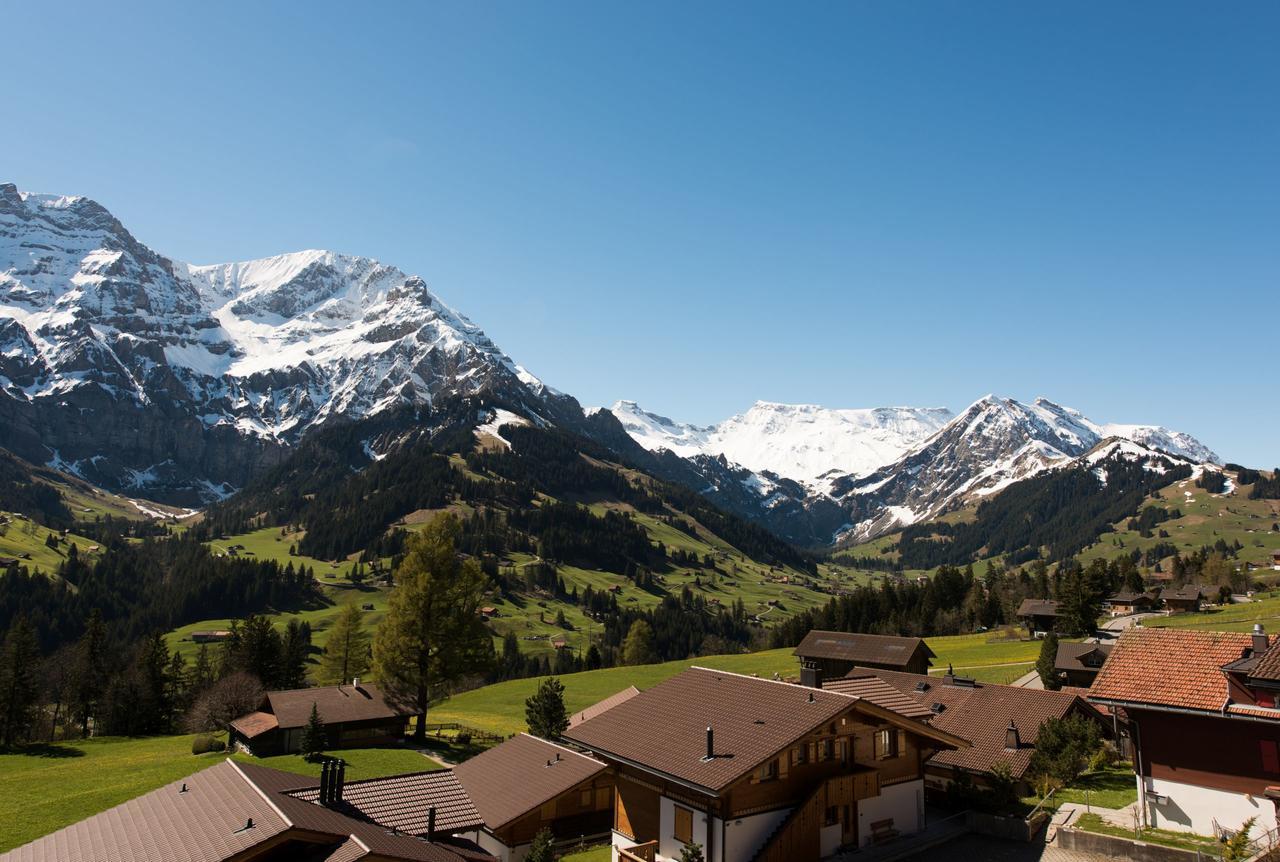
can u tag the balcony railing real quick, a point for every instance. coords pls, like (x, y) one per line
(646, 852)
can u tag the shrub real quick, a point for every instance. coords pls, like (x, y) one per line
(463, 737)
(218, 745)
(202, 744)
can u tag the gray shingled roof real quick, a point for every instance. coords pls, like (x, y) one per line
(860, 648)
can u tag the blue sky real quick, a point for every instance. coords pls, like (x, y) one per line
(700, 205)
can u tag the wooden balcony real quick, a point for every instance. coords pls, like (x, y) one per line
(646, 852)
(797, 837)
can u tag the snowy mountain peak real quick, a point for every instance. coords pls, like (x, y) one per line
(266, 348)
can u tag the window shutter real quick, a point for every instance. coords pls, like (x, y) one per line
(782, 767)
(902, 743)
(1270, 756)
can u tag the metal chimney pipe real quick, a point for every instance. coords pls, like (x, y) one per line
(431, 823)
(711, 743)
(324, 781)
(339, 779)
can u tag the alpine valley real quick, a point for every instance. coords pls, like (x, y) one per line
(185, 384)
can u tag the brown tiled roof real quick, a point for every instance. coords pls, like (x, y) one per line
(514, 778)
(1128, 597)
(205, 824)
(1185, 593)
(1169, 667)
(337, 704)
(379, 839)
(861, 682)
(603, 706)
(981, 713)
(664, 727)
(860, 648)
(1071, 656)
(1038, 608)
(403, 802)
(255, 723)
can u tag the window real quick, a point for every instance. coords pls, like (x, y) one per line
(684, 825)
(768, 772)
(828, 749)
(832, 816)
(1270, 756)
(800, 755)
(886, 744)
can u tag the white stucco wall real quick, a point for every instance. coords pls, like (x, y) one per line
(901, 802)
(620, 841)
(1190, 808)
(744, 836)
(829, 839)
(494, 847)
(668, 846)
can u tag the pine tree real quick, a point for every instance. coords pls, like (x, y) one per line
(638, 647)
(90, 669)
(294, 649)
(1046, 664)
(542, 849)
(432, 634)
(545, 711)
(19, 682)
(313, 736)
(346, 652)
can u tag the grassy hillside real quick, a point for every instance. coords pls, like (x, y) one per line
(499, 708)
(54, 786)
(1229, 618)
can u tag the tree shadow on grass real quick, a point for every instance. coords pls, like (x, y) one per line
(43, 749)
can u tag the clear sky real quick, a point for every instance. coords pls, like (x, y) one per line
(697, 205)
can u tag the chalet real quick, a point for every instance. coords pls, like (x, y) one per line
(1078, 664)
(833, 654)
(354, 715)
(1040, 615)
(527, 784)
(210, 637)
(241, 812)
(1185, 599)
(1001, 721)
(1128, 602)
(1205, 727)
(488, 611)
(1275, 559)
(753, 769)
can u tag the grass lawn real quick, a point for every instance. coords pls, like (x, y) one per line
(1112, 787)
(1181, 840)
(602, 853)
(1229, 618)
(57, 785)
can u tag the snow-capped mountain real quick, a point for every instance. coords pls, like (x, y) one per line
(803, 442)
(992, 444)
(137, 371)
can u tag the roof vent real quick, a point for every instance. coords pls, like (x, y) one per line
(1012, 741)
(248, 824)
(922, 686)
(811, 697)
(759, 721)
(711, 744)
(937, 708)
(184, 787)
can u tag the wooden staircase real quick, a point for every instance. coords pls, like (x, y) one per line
(799, 835)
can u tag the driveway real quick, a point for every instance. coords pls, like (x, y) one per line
(981, 848)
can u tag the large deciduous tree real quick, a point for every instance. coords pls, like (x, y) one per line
(432, 634)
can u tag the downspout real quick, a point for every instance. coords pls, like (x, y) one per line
(1137, 764)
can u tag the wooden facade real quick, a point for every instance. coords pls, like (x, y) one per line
(1232, 755)
(582, 811)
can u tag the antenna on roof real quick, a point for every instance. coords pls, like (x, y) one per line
(184, 787)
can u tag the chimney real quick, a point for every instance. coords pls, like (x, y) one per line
(339, 777)
(324, 781)
(1012, 742)
(810, 674)
(950, 677)
(355, 682)
(711, 743)
(1259, 639)
(431, 823)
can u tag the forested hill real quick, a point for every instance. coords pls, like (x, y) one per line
(520, 488)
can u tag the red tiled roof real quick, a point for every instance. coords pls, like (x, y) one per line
(514, 778)
(981, 713)
(255, 724)
(603, 706)
(1170, 667)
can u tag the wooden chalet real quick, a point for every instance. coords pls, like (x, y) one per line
(1001, 721)
(753, 769)
(1077, 664)
(828, 655)
(1182, 600)
(1205, 725)
(1128, 602)
(1039, 615)
(354, 716)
